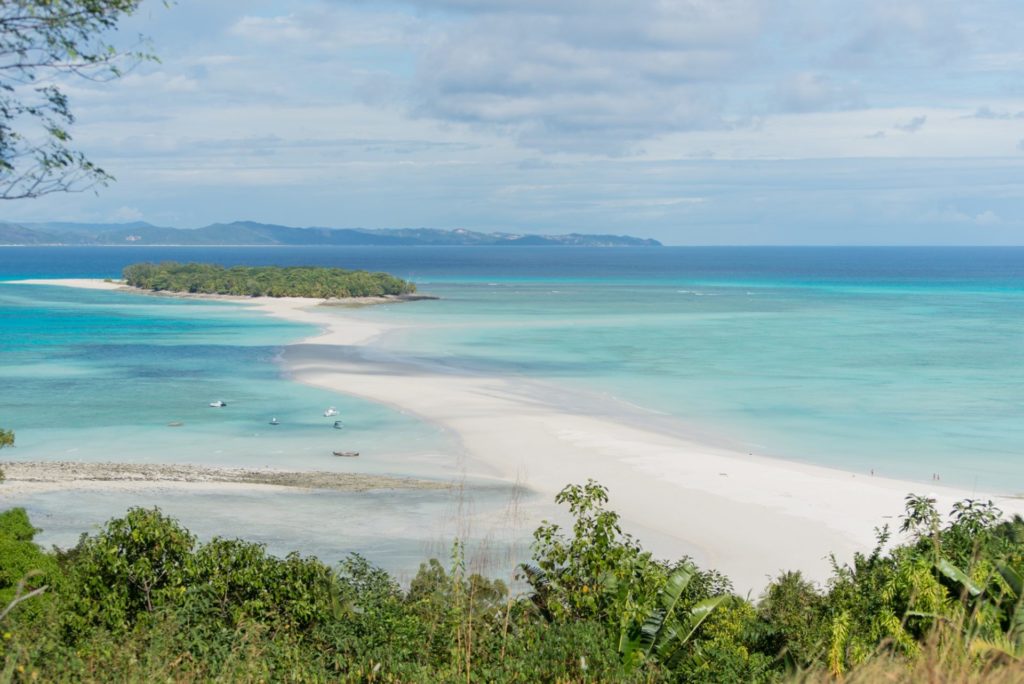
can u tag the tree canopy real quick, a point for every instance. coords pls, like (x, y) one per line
(44, 43)
(143, 599)
(264, 281)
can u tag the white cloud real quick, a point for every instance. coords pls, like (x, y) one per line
(881, 33)
(125, 214)
(987, 218)
(271, 29)
(650, 202)
(322, 27)
(807, 91)
(568, 113)
(947, 214)
(987, 112)
(597, 76)
(911, 126)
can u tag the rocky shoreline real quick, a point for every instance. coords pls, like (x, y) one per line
(343, 301)
(68, 474)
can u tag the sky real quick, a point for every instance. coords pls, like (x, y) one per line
(689, 121)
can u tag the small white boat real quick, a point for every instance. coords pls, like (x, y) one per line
(218, 404)
(338, 425)
(275, 421)
(330, 412)
(346, 454)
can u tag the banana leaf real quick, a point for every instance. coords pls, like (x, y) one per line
(1013, 578)
(632, 640)
(957, 575)
(670, 645)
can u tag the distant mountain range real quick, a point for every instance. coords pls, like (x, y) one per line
(251, 233)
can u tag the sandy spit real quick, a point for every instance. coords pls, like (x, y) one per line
(748, 515)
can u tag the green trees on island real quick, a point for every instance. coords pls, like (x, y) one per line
(143, 600)
(265, 281)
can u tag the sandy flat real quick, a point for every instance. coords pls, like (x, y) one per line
(82, 283)
(746, 515)
(28, 477)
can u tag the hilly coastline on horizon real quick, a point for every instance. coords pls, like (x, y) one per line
(253, 233)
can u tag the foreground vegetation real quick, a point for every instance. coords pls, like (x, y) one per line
(6, 440)
(264, 281)
(143, 601)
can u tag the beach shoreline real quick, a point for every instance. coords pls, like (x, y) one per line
(746, 515)
(121, 286)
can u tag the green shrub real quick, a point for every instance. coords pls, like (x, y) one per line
(135, 566)
(241, 582)
(21, 559)
(143, 601)
(793, 620)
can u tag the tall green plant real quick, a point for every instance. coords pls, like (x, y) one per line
(947, 580)
(1007, 643)
(133, 567)
(670, 627)
(597, 572)
(6, 440)
(25, 570)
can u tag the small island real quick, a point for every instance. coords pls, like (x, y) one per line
(264, 281)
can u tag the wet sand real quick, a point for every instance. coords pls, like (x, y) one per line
(24, 477)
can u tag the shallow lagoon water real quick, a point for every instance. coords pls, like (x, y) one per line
(396, 530)
(904, 362)
(904, 383)
(93, 376)
(907, 362)
(100, 376)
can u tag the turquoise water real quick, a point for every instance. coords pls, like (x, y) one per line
(98, 376)
(93, 375)
(907, 381)
(907, 362)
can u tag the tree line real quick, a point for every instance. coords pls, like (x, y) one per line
(264, 281)
(143, 600)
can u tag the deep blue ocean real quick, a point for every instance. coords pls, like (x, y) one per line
(905, 361)
(988, 267)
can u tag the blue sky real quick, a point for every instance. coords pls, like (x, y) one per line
(691, 121)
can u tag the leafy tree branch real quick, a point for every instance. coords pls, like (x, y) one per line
(43, 43)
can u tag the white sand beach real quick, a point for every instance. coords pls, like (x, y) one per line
(746, 515)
